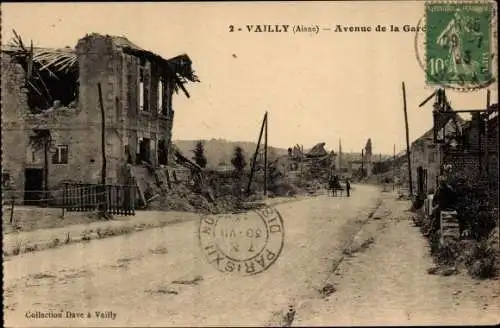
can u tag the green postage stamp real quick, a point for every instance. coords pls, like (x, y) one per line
(459, 43)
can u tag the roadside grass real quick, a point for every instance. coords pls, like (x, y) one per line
(159, 250)
(38, 276)
(17, 248)
(162, 290)
(479, 258)
(193, 281)
(20, 245)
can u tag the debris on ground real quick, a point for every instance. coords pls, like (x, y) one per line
(327, 290)
(183, 199)
(193, 281)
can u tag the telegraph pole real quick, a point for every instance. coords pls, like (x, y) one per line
(407, 141)
(252, 170)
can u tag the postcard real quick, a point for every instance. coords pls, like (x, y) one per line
(295, 163)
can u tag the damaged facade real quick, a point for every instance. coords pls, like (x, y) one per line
(468, 147)
(425, 159)
(51, 114)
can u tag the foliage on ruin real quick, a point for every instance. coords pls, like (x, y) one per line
(473, 206)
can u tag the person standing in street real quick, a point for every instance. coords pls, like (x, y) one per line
(348, 187)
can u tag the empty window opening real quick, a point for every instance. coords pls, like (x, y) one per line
(162, 152)
(144, 148)
(128, 154)
(35, 150)
(432, 156)
(167, 99)
(5, 180)
(60, 155)
(39, 146)
(143, 90)
(160, 96)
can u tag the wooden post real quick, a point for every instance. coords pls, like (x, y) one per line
(486, 155)
(169, 183)
(407, 141)
(103, 207)
(255, 154)
(394, 167)
(362, 164)
(12, 210)
(265, 156)
(46, 141)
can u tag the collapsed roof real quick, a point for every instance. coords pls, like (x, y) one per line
(318, 150)
(63, 61)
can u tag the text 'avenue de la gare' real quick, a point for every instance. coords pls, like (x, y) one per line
(338, 28)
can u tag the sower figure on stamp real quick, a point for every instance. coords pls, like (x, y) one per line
(460, 58)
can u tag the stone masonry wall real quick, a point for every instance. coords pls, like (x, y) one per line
(14, 141)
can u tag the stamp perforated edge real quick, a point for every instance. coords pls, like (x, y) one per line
(493, 49)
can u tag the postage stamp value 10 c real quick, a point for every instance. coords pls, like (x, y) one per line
(459, 43)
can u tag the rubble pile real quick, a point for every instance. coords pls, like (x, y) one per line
(183, 199)
(283, 189)
(309, 187)
(178, 199)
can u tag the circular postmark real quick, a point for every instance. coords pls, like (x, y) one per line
(246, 243)
(454, 45)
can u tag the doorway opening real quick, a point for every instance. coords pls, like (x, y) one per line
(33, 186)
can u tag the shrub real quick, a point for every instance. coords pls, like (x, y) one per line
(448, 254)
(238, 160)
(473, 207)
(483, 268)
(199, 155)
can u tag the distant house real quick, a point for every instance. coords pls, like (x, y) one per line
(51, 117)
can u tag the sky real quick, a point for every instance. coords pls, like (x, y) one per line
(316, 87)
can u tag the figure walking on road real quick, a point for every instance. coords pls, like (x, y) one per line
(348, 187)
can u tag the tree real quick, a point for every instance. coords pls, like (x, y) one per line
(238, 160)
(199, 155)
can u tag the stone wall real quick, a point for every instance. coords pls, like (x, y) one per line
(14, 101)
(424, 154)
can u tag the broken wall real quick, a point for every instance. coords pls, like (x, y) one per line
(14, 101)
(149, 123)
(100, 61)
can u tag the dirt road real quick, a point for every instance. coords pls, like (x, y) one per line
(160, 276)
(387, 283)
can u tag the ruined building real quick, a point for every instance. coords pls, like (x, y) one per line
(51, 111)
(365, 164)
(368, 158)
